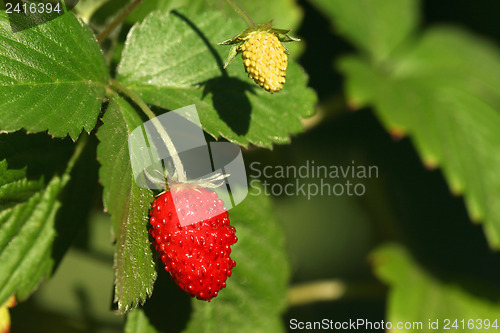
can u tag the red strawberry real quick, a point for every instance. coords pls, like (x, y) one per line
(191, 231)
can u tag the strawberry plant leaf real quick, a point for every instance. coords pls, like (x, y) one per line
(172, 61)
(284, 13)
(415, 295)
(256, 293)
(444, 94)
(440, 89)
(30, 218)
(370, 24)
(128, 205)
(52, 77)
(27, 231)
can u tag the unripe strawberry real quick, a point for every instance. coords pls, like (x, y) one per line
(264, 56)
(265, 60)
(191, 231)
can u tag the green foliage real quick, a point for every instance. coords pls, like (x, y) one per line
(441, 90)
(27, 230)
(128, 205)
(370, 24)
(437, 85)
(171, 72)
(52, 77)
(59, 65)
(412, 287)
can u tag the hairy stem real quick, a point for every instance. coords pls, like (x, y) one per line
(241, 12)
(102, 36)
(161, 130)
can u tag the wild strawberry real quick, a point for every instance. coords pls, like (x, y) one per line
(265, 60)
(191, 231)
(263, 53)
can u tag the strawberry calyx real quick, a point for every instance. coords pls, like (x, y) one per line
(212, 181)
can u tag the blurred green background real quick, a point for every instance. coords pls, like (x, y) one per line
(327, 237)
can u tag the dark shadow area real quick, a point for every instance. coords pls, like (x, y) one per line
(41, 155)
(427, 218)
(323, 47)
(431, 222)
(101, 17)
(77, 199)
(29, 317)
(341, 311)
(230, 100)
(85, 310)
(169, 308)
(229, 94)
(480, 16)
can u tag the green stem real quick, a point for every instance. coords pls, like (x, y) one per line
(102, 36)
(80, 145)
(307, 293)
(241, 12)
(333, 290)
(161, 130)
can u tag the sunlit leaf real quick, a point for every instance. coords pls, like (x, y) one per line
(52, 77)
(171, 60)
